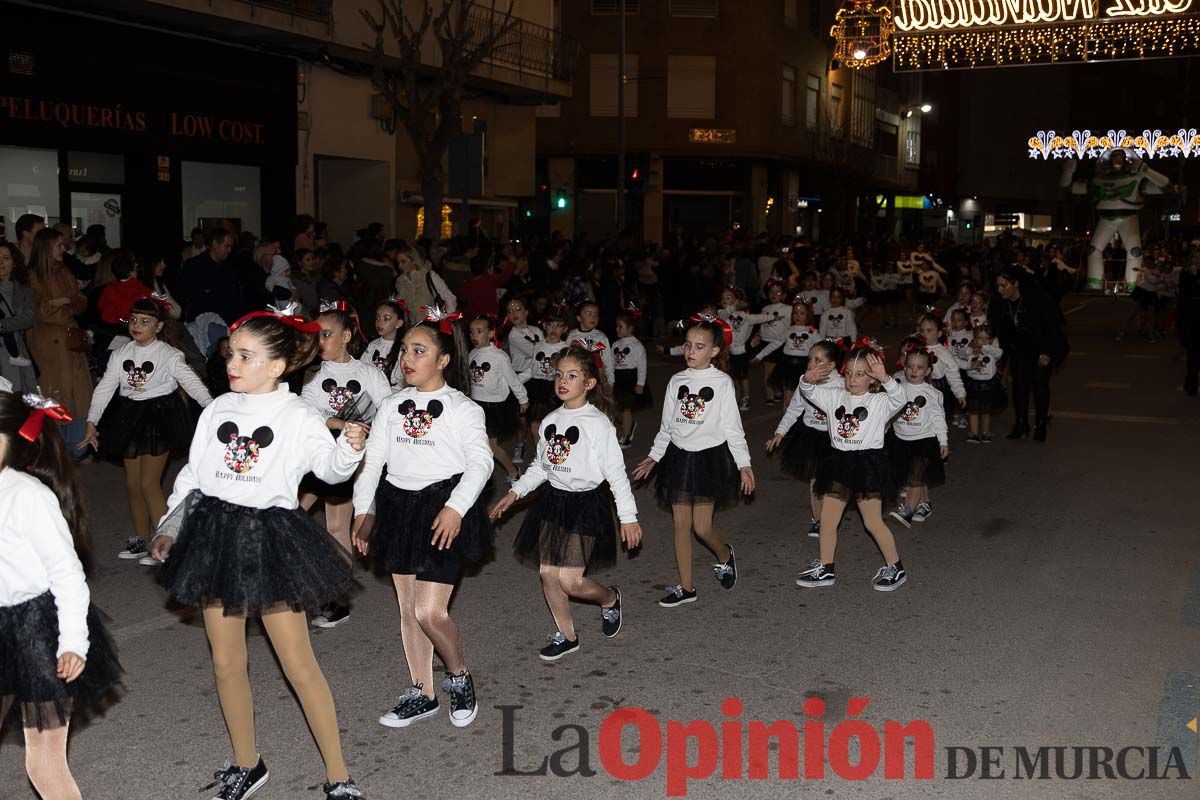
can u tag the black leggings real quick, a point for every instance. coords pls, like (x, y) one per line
(1027, 374)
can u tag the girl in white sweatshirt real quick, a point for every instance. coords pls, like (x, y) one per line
(945, 377)
(496, 388)
(985, 393)
(237, 545)
(148, 419)
(429, 519)
(630, 392)
(383, 352)
(838, 320)
(920, 442)
(701, 455)
(798, 338)
(522, 340)
(56, 659)
(570, 530)
(857, 467)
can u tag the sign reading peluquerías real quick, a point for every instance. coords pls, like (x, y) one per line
(914, 16)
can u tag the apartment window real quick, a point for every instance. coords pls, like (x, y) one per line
(788, 101)
(692, 87)
(694, 8)
(614, 6)
(791, 13)
(862, 110)
(835, 106)
(604, 85)
(812, 102)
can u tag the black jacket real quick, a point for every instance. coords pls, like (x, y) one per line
(1030, 326)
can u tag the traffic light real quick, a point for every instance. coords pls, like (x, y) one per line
(560, 200)
(635, 180)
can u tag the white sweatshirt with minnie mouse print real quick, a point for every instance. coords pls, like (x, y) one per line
(592, 337)
(796, 343)
(541, 365)
(376, 355)
(37, 554)
(945, 366)
(959, 343)
(578, 451)
(981, 366)
(423, 438)
(856, 422)
(253, 449)
(335, 387)
(492, 376)
(629, 353)
(800, 408)
(743, 323)
(779, 319)
(700, 411)
(922, 415)
(145, 373)
(838, 322)
(522, 342)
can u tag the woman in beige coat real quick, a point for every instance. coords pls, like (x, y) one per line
(57, 300)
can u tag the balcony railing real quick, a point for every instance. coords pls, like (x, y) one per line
(320, 10)
(526, 47)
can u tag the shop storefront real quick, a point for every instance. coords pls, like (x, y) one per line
(144, 132)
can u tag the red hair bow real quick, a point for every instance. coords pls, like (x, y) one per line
(444, 319)
(913, 345)
(595, 348)
(633, 311)
(285, 313)
(159, 300)
(40, 408)
(726, 331)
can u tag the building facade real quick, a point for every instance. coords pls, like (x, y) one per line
(155, 116)
(734, 116)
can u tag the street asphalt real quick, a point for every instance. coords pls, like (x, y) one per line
(1053, 600)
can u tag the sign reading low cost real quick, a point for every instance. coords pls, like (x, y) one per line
(206, 127)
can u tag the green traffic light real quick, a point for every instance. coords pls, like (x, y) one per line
(560, 202)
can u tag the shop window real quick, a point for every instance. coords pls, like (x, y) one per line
(692, 87)
(221, 194)
(447, 227)
(95, 167)
(28, 185)
(604, 85)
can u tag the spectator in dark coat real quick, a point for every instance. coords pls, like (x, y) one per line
(209, 283)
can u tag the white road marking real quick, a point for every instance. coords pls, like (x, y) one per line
(1079, 307)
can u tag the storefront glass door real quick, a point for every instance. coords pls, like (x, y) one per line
(98, 208)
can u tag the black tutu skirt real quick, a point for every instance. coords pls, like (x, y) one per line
(1144, 297)
(701, 477)
(802, 451)
(251, 560)
(788, 372)
(739, 366)
(985, 397)
(28, 664)
(916, 462)
(624, 385)
(154, 427)
(859, 475)
(569, 529)
(542, 399)
(501, 418)
(949, 401)
(402, 539)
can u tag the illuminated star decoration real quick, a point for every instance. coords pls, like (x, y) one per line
(1184, 143)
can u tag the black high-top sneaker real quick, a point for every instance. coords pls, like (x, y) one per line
(413, 706)
(727, 572)
(817, 575)
(610, 618)
(238, 783)
(463, 706)
(890, 577)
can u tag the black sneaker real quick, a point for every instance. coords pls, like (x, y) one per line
(331, 616)
(413, 706)
(677, 596)
(814, 529)
(889, 578)
(817, 575)
(238, 782)
(135, 547)
(463, 707)
(342, 790)
(610, 618)
(560, 645)
(904, 516)
(727, 573)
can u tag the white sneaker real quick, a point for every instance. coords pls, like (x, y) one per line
(744, 405)
(149, 561)
(135, 547)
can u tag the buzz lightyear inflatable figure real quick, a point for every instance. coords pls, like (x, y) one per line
(1118, 190)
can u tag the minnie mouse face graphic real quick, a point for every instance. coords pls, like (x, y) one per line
(479, 370)
(241, 452)
(531, 338)
(692, 405)
(545, 365)
(620, 354)
(912, 409)
(340, 396)
(379, 359)
(849, 422)
(836, 319)
(798, 339)
(137, 376)
(819, 415)
(980, 362)
(736, 320)
(558, 446)
(418, 421)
